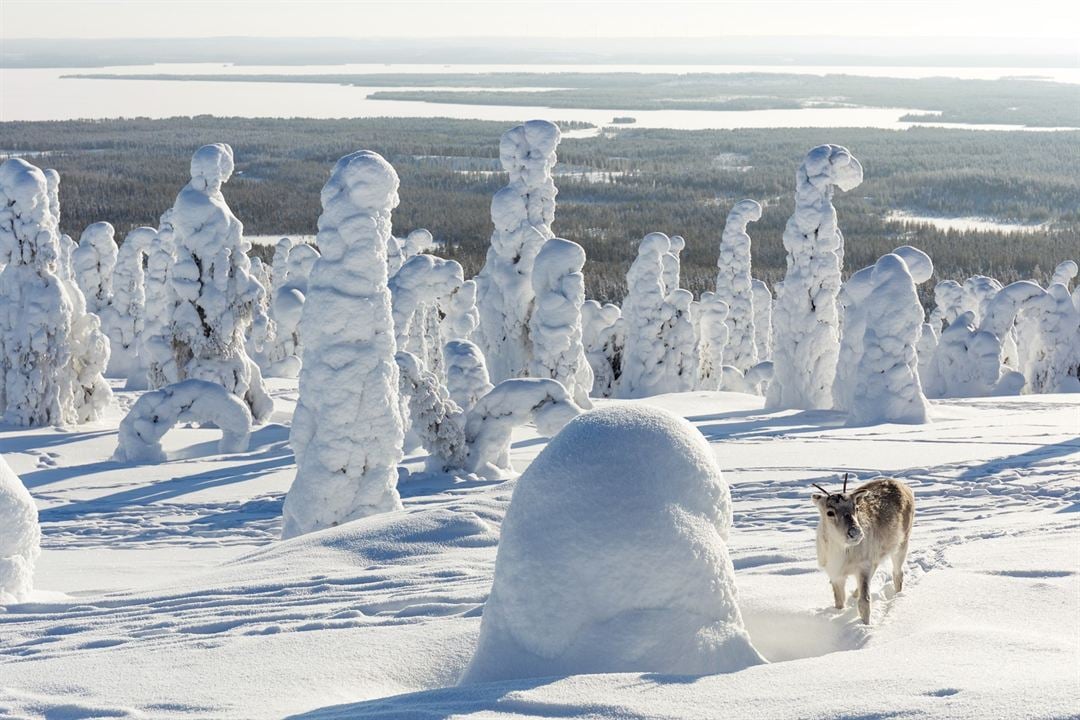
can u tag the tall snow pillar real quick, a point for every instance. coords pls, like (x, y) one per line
(806, 340)
(522, 213)
(347, 431)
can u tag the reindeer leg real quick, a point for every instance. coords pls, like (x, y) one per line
(838, 592)
(899, 557)
(863, 581)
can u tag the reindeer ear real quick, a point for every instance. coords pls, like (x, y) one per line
(818, 499)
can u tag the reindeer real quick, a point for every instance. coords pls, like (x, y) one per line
(857, 531)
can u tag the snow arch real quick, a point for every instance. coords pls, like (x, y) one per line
(157, 412)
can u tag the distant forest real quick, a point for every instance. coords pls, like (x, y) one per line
(613, 188)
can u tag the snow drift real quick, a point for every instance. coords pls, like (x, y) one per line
(613, 557)
(20, 537)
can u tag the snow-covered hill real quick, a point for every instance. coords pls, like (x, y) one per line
(162, 590)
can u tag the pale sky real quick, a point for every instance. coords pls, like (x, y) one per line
(541, 18)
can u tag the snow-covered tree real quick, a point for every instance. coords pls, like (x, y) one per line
(712, 339)
(967, 363)
(215, 297)
(645, 312)
(680, 362)
(734, 285)
(286, 352)
(511, 403)
(462, 316)
(90, 347)
(979, 291)
(123, 320)
(1065, 273)
(855, 300)
(466, 373)
(948, 304)
(437, 421)
(673, 264)
(522, 213)
(419, 290)
(555, 324)
(763, 302)
(347, 431)
(279, 265)
(155, 346)
(1046, 325)
(602, 337)
(613, 557)
(885, 379)
(20, 537)
(93, 263)
(35, 310)
(806, 338)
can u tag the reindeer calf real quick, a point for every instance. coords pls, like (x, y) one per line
(858, 530)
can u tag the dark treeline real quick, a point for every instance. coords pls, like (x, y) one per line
(613, 188)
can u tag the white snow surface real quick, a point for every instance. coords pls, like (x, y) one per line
(162, 590)
(612, 557)
(20, 538)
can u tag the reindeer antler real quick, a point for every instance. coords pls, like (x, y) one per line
(827, 493)
(845, 483)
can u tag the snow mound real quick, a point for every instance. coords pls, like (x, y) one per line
(157, 412)
(612, 557)
(20, 537)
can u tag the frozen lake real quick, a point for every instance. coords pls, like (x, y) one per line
(964, 224)
(43, 94)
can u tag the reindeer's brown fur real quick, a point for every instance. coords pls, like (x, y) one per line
(867, 525)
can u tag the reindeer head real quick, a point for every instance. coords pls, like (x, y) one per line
(838, 514)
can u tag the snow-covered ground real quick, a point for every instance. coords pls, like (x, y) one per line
(162, 590)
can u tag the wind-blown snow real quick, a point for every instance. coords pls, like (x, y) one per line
(613, 557)
(20, 538)
(805, 322)
(347, 432)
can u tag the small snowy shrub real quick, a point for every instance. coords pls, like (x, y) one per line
(613, 557)
(158, 411)
(20, 537)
